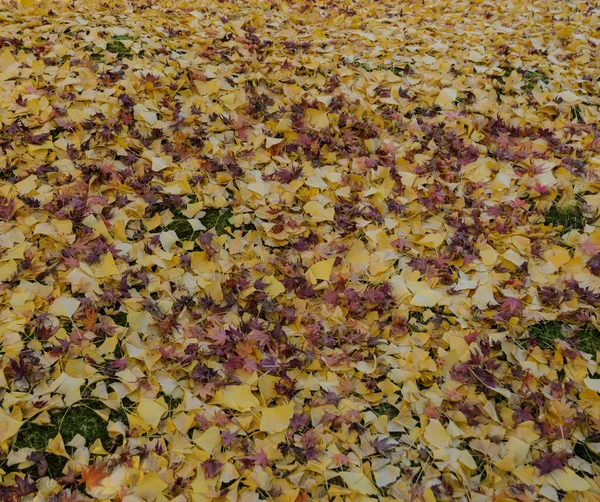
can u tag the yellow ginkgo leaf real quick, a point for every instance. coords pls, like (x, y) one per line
(320, 271)
(8, 426)
(567, 480)
(64, 306)
(318, 212)
(446, 97)
(358, 482)
(274, 287)
(6, 57)
(432, 240)
(426, 298)
(56, 446)
(236, 397)
(150, 486)
(317, 118)
(167, 239)
(277, 418)
(436, 434)
(209, 439)
(107, 267)
(151, 411)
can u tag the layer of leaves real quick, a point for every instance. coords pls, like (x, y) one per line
(299, 251)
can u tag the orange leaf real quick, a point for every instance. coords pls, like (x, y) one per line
(89, 319)
(93, 475)
(302, 497)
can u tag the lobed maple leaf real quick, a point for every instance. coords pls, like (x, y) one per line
(260, 459)
(93, 475)
(512, 305)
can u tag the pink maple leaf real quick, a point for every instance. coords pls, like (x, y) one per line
(541, 189)
(512, 305)
(340, 459)
(516, 202)
(589, 247)
(259, 458)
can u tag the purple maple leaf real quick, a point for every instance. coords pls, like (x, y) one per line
(330, 397)
(383, 445)
(212, 468)
(549, 462)
(521, 415)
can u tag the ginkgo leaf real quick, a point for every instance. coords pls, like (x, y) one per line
(446, 97)
(237, 397)
(318, 212)
(317, 118)
(426, 298)
(386, 475)
(436, 434)
(592, 383)
(209, 439)
(151, 411)
(566, 479)
(57, 447)
(275, 287)
(64, 306)
(277, 418)
(358, 482)
(9, 426)
(151, 486)
(320, 271)
(107, 267)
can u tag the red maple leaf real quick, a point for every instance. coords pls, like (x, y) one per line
(93, 475)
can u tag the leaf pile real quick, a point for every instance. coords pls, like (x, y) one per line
(299, 251)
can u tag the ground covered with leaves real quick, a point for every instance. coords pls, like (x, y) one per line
(299, 251)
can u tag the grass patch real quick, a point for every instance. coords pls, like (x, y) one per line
(120, 319)
(506, 71)
(569, 217)
(217, 220)
(78, 419)
(532, 77)
(172, 402)
(546, 333)
(396, 70)
(587, 337)
(364, 66)
(385, 409)
(117, 47)
(56, 132)
(584, 452)
(181, 226)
